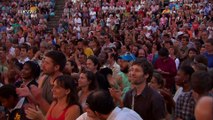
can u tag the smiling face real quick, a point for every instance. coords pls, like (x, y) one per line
(137, 75)
(58, 91)
(26, 72)
(180, 78)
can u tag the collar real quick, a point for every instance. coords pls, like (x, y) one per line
(143, 93)
(114, 113)
(18, 105)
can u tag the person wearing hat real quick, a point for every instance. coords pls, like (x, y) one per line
(124, 61)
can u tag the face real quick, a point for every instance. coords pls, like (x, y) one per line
(180, 78)
(184, 41)
(141, 53)
(153, 83)
(83, 81)
(209, 47)
(171, 51)
(30, 53)
(90, 65)
(123, 49)
(124, 65)
(202, 50)
(137, 75)
(134, 50)
(48, 66)
(23, 52)
(58, 91)
(192, 54)
(7, 103)
(26, 72)
(68, 66)
(17, 51)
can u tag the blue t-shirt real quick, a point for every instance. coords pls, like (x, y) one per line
(210, 59)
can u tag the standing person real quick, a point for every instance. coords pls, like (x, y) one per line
(87, 83)
(182, 80)
(100, 105)
(23, 54)
(65, 106)
(209, 53)
(167, 68)
(157, 83)
(52, 66)
(29, 74)
(93, 65)
(148, 103)
(201, 83)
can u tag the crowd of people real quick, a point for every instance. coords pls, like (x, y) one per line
(107, 60)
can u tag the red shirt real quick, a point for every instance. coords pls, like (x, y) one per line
(61, 117)
(167, 65)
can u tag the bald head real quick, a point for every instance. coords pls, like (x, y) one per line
(204, 109)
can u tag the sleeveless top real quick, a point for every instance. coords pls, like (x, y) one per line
(46, 90)
(61, 117)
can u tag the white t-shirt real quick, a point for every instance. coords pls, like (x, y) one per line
(116, 114)
(123, 114)
(178, 93)
(84, 116)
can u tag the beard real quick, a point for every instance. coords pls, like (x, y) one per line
(137, 82)
(125, 70)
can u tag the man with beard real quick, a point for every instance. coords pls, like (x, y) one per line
(124, 62)
(148, 103)
(52, 66)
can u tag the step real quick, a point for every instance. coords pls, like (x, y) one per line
(59, 9)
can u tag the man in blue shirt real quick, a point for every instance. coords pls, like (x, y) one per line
(209, 53)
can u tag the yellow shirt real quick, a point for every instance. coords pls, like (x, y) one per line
(33, 9)
(166, 11)
(88, 51)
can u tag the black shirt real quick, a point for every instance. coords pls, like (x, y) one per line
(149, 104)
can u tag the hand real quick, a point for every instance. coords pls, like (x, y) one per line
(38, 53)
(23, 91)
(159, 70)
(115, 93)
(36, 92)
(34, 114)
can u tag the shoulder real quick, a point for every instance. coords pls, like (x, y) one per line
(41, 80)
(155, 95)
(83, 117)
(185, 96)
(74, 109)
(73, 112)
(127, 113)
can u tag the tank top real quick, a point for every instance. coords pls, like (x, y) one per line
(61, 117)
(46, 90)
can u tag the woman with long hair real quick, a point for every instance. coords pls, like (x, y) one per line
(65, 106)
(86, 83)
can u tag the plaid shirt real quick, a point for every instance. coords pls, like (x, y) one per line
(185, 106)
